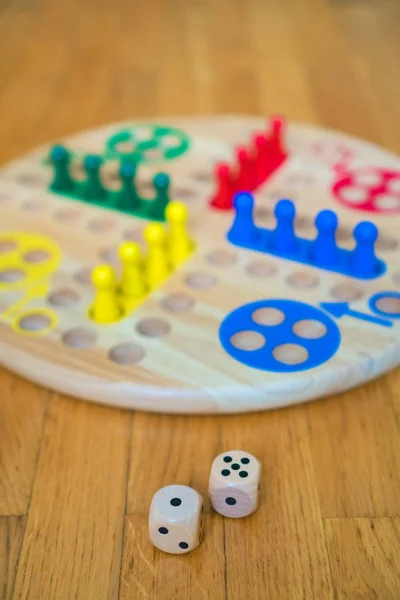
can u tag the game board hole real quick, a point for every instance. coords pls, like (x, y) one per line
(34, 322)
(260, 268)
(67, 214)
(262, 213)
(367, 179)
(183, 193)
(309, 329)
(101, 225)
(301, 279)
(109, 255)
(304, 223)
(33, 206)
(222, 258)
(127, 353)
(125, 147)
(153, 154)
(170, 141)
(177, 303)
(248, 340)
(36, 256)
(84, 276)
(63, 297)
(200, 281)
(300, 178)
(203, 176)
(290, 354)
(343, 234)
(133, 235)
(387, 202)
(7, 246)
(346, 292)
(28, 179)
(79, 337)
(384, 243)
(388, 305)
(354, 195)
(153, 327)
(394, 185)
(11, 275)
(268, 316)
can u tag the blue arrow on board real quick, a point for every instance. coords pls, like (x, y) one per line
(340, 309)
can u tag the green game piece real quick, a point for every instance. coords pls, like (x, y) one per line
(159, 204)
(93, 188)
(127, 198)
(62, 180)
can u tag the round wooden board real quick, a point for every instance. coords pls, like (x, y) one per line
(166, 356)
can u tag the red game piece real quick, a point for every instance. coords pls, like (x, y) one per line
(245, 170)
(223, 197)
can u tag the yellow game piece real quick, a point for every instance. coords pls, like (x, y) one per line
(132, 281)
(105, 308)
(156, 260)
(179, 243)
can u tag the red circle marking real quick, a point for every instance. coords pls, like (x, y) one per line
(373, 191)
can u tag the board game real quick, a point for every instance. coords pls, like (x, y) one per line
(201, 265)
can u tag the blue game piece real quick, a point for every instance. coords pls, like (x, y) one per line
(363, 259)
(324, 249)
(243, 230)
(284, 238)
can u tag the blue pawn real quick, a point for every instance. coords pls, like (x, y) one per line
(363, 259)
(243, 231)
(284, 238)
(324, 248)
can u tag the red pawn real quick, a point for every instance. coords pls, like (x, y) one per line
(223, 197)
(276, 153)
(261, 158)
(245, 170)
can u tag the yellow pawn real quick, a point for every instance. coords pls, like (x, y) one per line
(105, 308)
(156, 260)
(132, 281)
(179, 243)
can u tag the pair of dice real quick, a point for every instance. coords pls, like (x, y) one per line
(176, 512)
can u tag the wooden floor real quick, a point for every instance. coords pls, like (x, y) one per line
(76, 480)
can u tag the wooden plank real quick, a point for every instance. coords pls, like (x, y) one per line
(356, 453)
(11, 534)
(149, 574)
(365, 558)
(283, 542)
(72, 545)
(22, 410)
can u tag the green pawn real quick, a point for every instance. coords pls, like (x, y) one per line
(128, 198)
(93, 188)
(62, 180)
(161, 183)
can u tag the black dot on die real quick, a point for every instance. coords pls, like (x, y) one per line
(243, 474)
(230, 501)
(225, 472)
(235, 467)
(183, 545)
(245, 461)
(227, 459)
(163, 530)
(176, 502)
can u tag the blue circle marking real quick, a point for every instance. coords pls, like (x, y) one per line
(372, 303)
(319, 350)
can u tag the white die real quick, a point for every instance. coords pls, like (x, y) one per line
(176, 519)
(234, 483)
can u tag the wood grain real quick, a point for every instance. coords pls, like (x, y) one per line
(67, 66)
(364, 557)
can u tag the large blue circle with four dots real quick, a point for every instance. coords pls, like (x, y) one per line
(283, 336)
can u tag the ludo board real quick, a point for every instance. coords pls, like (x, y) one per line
(233, 329)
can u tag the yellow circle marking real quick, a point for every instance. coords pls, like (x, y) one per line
(52, 316)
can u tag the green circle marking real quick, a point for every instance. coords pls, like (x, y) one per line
(168, 141)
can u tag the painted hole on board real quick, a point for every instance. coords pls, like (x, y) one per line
(200, 281)
(343, 235)
(177, 303)
(36, 256)
(386, 243)
(262, 213)
(222, 258)
(7, 246)
(248, 340)
(34, 322)
(389, 305)
(28, 178)
(101, 225)
(63, 297)
(84, 276)
(133, 235)
(153, 327)
(268, 316)
(183, 193)
(126, 353)
(33, 206)
(368, 179)
(67, 214)
(304, 223)
(394, 185)
(290, 354)
(202, 176)
(79, 337)
(109, 255)
(302, 279)
(260, 268)
(346, 292)
(125, 147)
(354, 195)
(11, 275)
(387, 202)
(309, 329)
